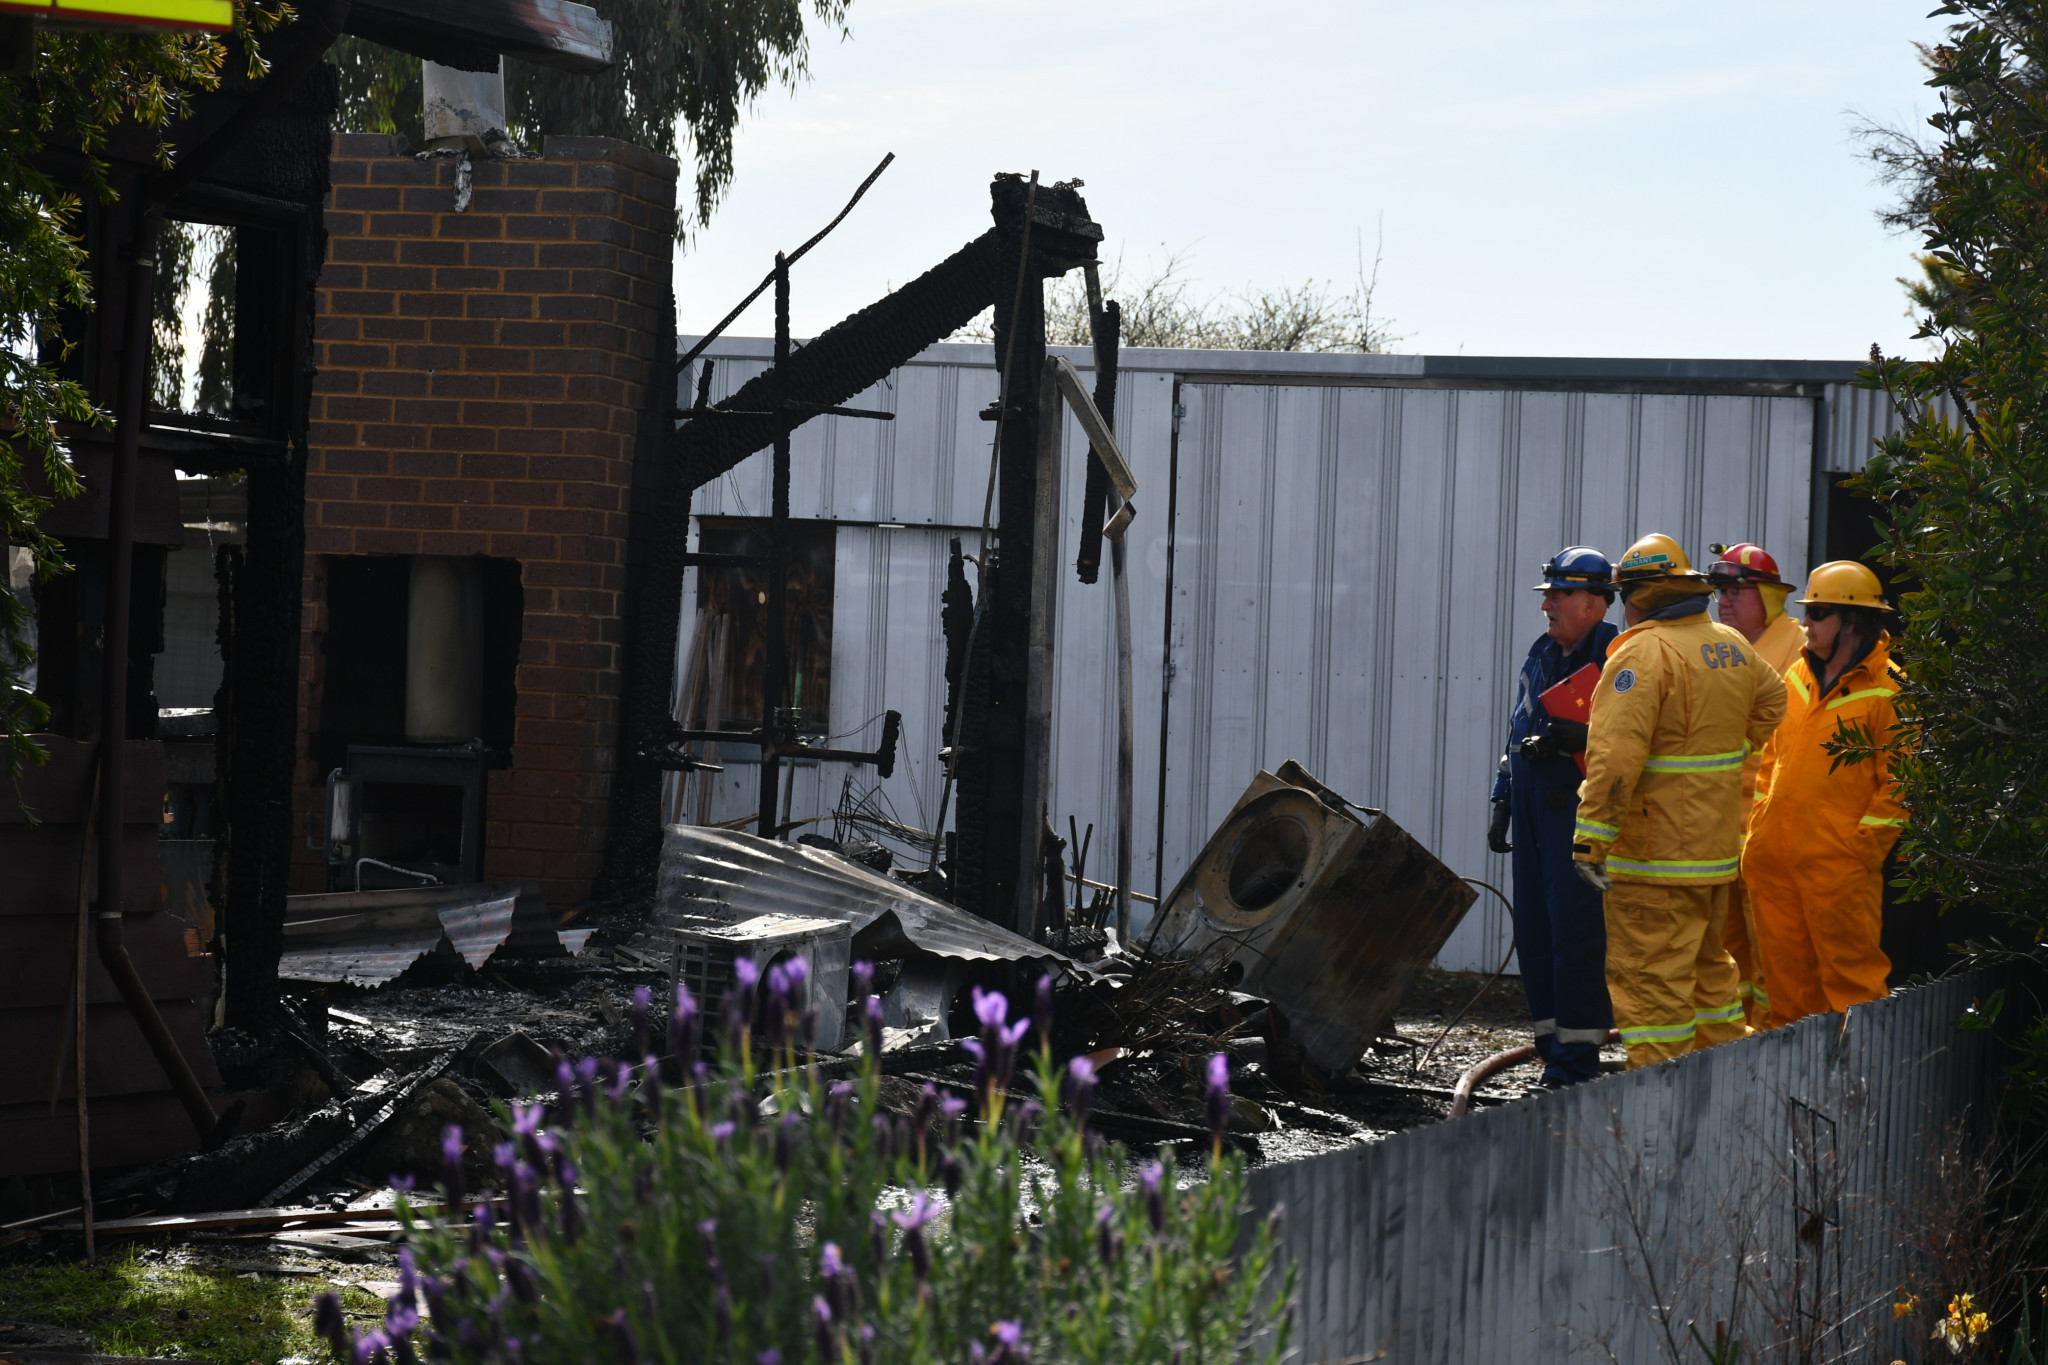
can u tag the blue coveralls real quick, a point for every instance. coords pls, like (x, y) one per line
(1560, 926)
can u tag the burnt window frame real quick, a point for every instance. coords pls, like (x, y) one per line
(813, 586)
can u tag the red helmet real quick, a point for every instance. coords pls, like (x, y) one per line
(1744, 563)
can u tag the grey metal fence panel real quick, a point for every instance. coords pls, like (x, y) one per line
(1352, 573)
(1532, 1233)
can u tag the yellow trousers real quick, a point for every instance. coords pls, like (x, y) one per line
(1672, 982)
(1738, 936)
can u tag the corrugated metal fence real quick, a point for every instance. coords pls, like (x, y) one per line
(1548, 1230)
(1331, 562)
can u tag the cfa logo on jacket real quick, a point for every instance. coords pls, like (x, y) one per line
(1721, 654)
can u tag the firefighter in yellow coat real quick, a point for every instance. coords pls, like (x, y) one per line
(1681, 703)
(1749, 597)
(1815, 858)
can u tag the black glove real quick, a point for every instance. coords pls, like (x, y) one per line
(1497, 829)
(1569, 736)
(1538, 749)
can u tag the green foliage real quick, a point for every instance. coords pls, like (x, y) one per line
(682, 68)
(80, 87)
(1965, 482)
(131, 1305)
(744, 1218)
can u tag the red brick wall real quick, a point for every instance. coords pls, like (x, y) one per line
(484, 377)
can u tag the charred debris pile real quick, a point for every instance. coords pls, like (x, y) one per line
(1289, 947)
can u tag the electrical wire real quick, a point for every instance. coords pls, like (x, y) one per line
(1497, 973)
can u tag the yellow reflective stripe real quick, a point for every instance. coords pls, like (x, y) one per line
(1673, 868)
(1659, 1033)
(1593, 829)
(1761, 997)
(1882, 820)
(1743, 988)
(1727, 1014)
(1805, 693)
(1696, 763)
(1848, 697)
(1761, 796)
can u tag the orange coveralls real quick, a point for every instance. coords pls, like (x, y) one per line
(1680, 705)
(1815, 858)
(1779, 646)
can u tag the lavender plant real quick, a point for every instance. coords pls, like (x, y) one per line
(757, 1214)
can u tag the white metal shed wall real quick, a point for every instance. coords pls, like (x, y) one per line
(1352, 544)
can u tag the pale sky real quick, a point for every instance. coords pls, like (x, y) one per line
(1582, 179)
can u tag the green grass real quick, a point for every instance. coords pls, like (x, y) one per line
(131, 1306)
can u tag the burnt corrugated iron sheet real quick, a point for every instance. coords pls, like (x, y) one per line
(1505, 1235)
(1346, 567)
(725, 875)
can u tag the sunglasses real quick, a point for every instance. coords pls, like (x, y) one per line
(1817, 612)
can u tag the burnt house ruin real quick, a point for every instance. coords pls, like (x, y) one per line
(159, 838)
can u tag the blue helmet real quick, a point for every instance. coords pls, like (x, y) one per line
(1578, 567)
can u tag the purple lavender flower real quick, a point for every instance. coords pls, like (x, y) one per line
(866, 1339)
(328, 1321)
(878, 1239)
(505, 1155)
(1216, 1097)
(1010, 1347)
(991, 1008)
(526, 1119)
(1024, 1121)
(565, 1084)
(1109, 1241)
(838, 1103)
(572, 1219)
(623, 1343)
(862, 979)
(871, 1017)
(1155, 1200)
(683, 1027)
(951, 1175)
(1077, 1087)
(722, 1131)
(586, 1085)
(1041, 1008)
(952, 1107)
(821, 1314)
(622, 1081)
(408, 1278)
(637, 1013)
(771, 1356)
(739, 1001)
(912, 1220)
(402, 1183)
(451, 1161)
(371, 1347)
(885, 1143)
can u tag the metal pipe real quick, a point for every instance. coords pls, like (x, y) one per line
(1461, 1096)
(775, 668)
(113, 953)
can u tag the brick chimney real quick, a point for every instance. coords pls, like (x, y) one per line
(487, 354)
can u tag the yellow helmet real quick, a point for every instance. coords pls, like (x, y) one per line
(1844, 583)
(1654, 556)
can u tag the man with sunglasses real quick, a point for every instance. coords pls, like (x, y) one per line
(1560, 937)
(1822, 829)
(1749, 597)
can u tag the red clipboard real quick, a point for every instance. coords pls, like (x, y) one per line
(1572, 699)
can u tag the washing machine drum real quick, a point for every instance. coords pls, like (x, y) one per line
(1264, 857)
